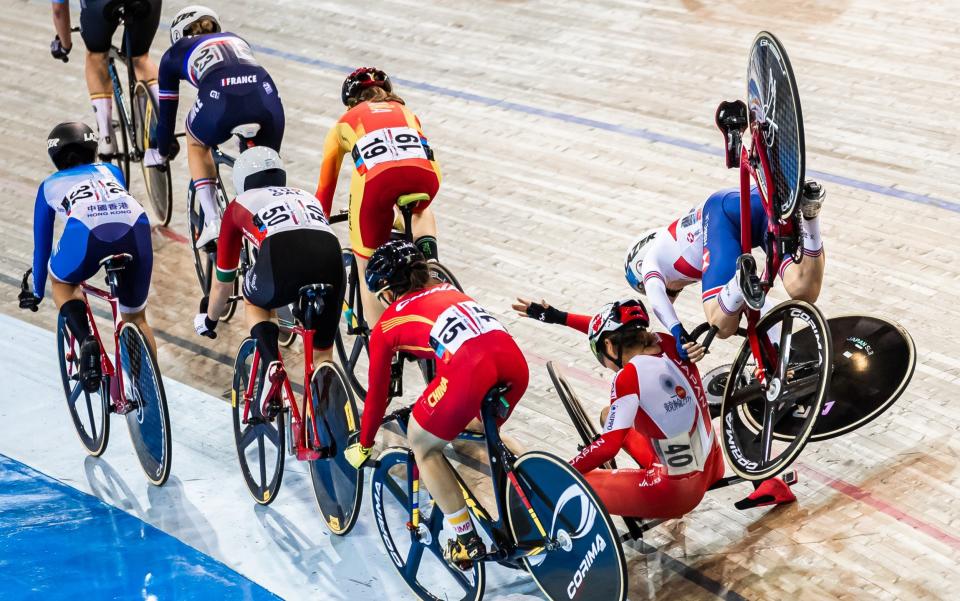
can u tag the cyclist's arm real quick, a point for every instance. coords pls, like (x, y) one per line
(43, 218)
(623, 412)
(169, 83)
(378, 381)
(660, 300)
(61, 22)
(333, 152)
(578, 322)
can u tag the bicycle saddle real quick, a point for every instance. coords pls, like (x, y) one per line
(119, 9)
(116, 262)
(310, 303)
(246, 131)
(412, 199)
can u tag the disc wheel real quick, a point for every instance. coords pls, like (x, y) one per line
(259, 438)
(149, 422)
(417, 553)
(570, 516)
(90, 412)
(158, 183)
(333, 420)
(797, 377)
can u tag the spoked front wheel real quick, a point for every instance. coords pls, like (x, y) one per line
(796, 360)
(574, 522)
(90, 411)
(259, 437)
(337, 485)
(159, 187)
(149, 421)
(352, 338)
(417, 553)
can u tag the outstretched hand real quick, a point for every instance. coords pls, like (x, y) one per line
(540, 311)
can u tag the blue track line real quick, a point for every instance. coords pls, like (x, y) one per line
(634, 132)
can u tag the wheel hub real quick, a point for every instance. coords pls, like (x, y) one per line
(773, 390)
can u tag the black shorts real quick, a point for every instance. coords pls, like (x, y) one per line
(97, 29)
(288, 261)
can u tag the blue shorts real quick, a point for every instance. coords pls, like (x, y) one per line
(78, 254)
(721, 236)
(220, 108)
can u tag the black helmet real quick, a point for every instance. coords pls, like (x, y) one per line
(361, 79)
(390, 265)
(72, 143)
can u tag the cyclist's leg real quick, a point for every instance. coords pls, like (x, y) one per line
(141, 32)
(803, 280)
(723, 300)
(135, 282)
(371, 218)
(204, 130)
(97, 33)
(647, 493)
(328, 265)
(265, 104)
(424, 222)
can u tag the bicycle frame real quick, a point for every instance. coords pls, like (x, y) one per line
(117, 394)
(501, 461)
(298, 424)
(126, 117)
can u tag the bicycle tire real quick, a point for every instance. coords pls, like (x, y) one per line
(744, 447)
(352, 319)
(573, 406)
(96, 406)
(158, 183)
(391, 508)
(204, 262)
(263, 491)
(122, 158)
(337, 485)
(286, 321)
(552, 488)
(149, 423)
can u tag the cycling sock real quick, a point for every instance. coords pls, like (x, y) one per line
(731, 297)
(462, 525)
(154, 90)
(428, 246)
(267, 335)
(74, 312)
(204, 189)
(812, 242)
(103, 109)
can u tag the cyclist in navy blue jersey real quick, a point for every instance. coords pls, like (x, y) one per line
(232, 89)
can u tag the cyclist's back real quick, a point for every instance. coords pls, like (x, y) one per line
(659, 414)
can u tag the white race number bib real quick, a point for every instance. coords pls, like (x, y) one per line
(386, 145)
(460, 323)
(289, 212)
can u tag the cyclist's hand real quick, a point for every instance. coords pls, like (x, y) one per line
(540, 311)
(694, 351)
(153, 158)
(28, 300)
(357, 454)
(205, 326)
(683, 339)
(58, 50)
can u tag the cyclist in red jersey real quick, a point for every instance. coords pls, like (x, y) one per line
(473, 352)
(296, 248)
(658, 413)
(390, 157)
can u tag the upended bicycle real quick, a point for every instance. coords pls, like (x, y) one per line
(550, 523)
(135, 390)
(353, 339)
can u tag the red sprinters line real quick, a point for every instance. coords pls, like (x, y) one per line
(864, 496)
(170, 234)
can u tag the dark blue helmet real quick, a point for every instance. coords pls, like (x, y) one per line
(390, 265)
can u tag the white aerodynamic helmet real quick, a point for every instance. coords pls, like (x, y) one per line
(188, 16)
(633, 266)
(258, 167)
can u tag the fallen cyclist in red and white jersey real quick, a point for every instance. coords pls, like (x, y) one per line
(658, 413)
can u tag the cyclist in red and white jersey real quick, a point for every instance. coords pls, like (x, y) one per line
(295, 248)
(473, 353)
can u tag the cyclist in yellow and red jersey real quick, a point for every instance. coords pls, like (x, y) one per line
(391, 157)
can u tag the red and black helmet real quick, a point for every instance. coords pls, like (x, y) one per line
(361, 79)
(615, 317)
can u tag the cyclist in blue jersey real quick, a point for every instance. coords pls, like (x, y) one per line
(97, 28)
(232, 89)
(101, 219)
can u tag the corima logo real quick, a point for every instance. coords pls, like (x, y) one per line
(378, 513)
(596, 548)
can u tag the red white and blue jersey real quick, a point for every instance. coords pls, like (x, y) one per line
(91, 197)
(213, 63)
(260, 213)
(662, 399)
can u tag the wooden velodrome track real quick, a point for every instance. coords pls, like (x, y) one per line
(566, 128)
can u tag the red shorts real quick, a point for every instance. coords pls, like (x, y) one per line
(649, 493)
(373, 198)
(454, 397)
